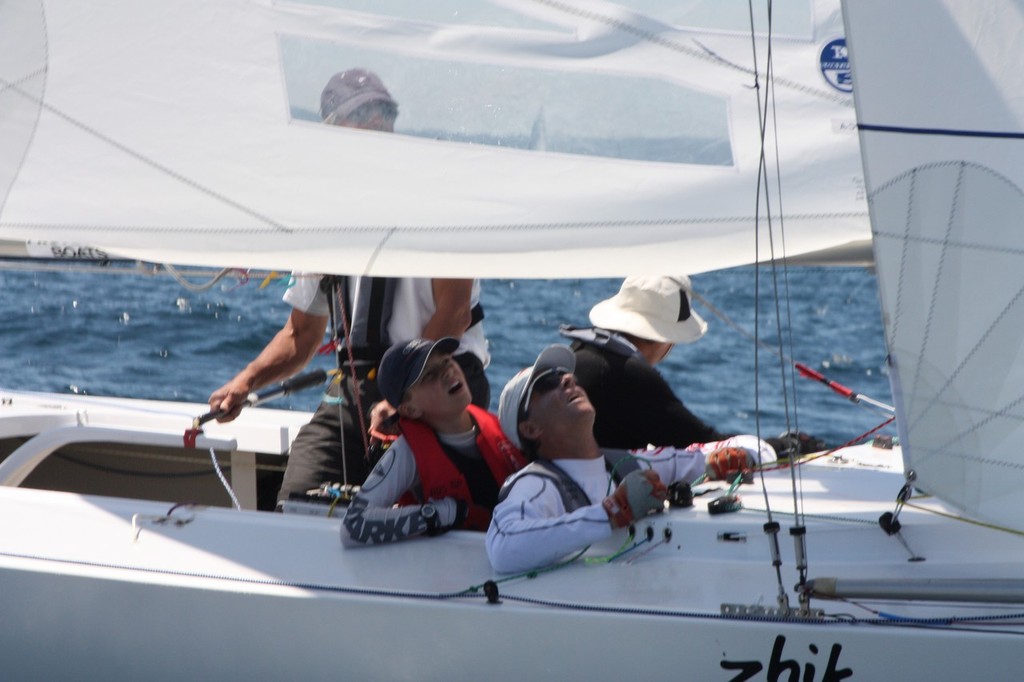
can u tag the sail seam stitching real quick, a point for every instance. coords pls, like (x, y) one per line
(666, 223)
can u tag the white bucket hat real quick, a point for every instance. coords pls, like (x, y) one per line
(653, 308)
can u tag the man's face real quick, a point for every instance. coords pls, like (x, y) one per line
(557, 404)
(441, 389)
(377, 122)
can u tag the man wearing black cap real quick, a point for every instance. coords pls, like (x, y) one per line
(369, 314)
(567, 497)
(445, 469)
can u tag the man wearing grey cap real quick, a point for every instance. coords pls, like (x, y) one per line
(633, 331)
(567, 497)
(445, 470)
(368, 314)
(357, 98)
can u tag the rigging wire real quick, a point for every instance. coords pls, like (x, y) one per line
(777, 295)
(770, 92)
(783, 323)
(641, 30)
(875, 406)
(771, 527)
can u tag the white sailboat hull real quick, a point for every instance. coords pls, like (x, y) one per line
(131, 591)
(161, 633)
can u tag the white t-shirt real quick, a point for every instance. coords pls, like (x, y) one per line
(413, 308)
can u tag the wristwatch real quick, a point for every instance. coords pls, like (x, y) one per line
(429, 515)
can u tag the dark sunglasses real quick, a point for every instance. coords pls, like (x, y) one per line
(545, 382)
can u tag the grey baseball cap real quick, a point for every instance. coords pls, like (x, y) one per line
(349, 90)
(517, 390)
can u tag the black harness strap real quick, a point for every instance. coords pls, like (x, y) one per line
(619, 462)
(572, 494)
(601, 338)
(378, 312)
(365, 316)
(476, 315)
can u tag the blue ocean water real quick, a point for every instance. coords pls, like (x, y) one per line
(108, 333)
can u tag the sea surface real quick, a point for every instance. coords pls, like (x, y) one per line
(116, 332)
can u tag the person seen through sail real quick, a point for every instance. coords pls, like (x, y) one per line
(369, 314)
(445, 470)
(573, 492)
(632, 332)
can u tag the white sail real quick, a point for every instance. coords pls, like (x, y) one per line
(177, 131)
(943, 144)
(186, 132)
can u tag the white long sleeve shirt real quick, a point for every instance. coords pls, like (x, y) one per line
(373, 518)
(531, 527)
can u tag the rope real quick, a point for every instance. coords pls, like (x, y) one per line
(729, 322)
(224, 481)
(196, 287)
(964, 519)
(472, 592)
(810, 458)
(473, 589)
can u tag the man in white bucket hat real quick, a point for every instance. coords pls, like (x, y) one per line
(633, 331)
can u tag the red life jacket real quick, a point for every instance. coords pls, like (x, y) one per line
(441, 478)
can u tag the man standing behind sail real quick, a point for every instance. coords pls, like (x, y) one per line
(615, 363)
(382, 311)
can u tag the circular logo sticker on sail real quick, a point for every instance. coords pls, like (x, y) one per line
(835, 66)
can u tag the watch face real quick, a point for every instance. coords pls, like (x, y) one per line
(429, 515)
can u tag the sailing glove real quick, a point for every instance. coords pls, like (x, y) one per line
(639, 494)
(723, 464)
